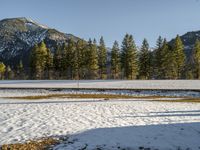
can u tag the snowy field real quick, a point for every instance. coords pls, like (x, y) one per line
(96, 123)
(107, 84)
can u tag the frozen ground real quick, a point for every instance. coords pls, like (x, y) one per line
(90, 124)
(105, 84)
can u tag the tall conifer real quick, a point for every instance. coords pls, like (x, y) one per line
(102, 59)
(115, 61)
(129, 58)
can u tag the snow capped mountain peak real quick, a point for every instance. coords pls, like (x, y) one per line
(15, 22)
(29, 21)
(19, 35)
(35, 23)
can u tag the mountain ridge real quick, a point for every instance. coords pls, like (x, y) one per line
(188, 39)
(19, 35)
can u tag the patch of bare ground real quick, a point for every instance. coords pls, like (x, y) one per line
(184, 100)
(83, 96)
(42, 144)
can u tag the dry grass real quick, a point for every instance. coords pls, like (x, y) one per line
(42, 144)
(184, 100)
(108, 97)
(104, 96)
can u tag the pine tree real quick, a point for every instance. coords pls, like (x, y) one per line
(164, 54)
(157, 58)
(68, 59)
(66, 70)
(164, 60)
(129, 57)
(171, 71)
(33, 57)
(189, 71)
(57, 62)
(178, 49)
(38, 60)
(9, 73)
(20, 74)
(49, 64)
(115, 61)
(76, 63)
(71, 59)
(41, 60)
(144, 61)
(81, 52)
(92, 60)
(102, 59)
(151, 59)
(2, 70)
(196, 56)
(168, 62)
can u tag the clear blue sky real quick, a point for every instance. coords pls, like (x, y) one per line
(110, 18)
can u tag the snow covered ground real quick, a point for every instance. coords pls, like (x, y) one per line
(105, 84)
(96, 123)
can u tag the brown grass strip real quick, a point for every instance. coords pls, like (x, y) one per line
(104, 96)
(184, 100)
(42, 144)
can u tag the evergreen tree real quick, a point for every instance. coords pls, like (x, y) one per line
(196, 56)
(164, 55)
(115, 61)
(2, 70)
(21, 70)
(168, 62)
(92, 60)
(129, 57)
(102, 59)
(82, 57)
(65, 62)
(20, 74)
(164, 60)
(151, 59)
(165, 66)
(188, 71)
(49, 64)
(76, 60)
(38, 60)
(144, 61)
(41, 60)
(178, 49)
(8, 73)
(33, 57)
(71, 59)
(68, 59)
(57, 62)
(158, 58)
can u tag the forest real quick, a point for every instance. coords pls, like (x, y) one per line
(90, 60)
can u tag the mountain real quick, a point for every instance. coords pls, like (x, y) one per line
(188, 40)
(19, 35)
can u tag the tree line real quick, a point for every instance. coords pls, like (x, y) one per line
(89, 60)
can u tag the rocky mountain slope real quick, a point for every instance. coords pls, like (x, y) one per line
(189, 40)
(19, 35)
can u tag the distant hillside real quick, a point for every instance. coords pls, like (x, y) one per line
(188, 40)
(19, 35)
